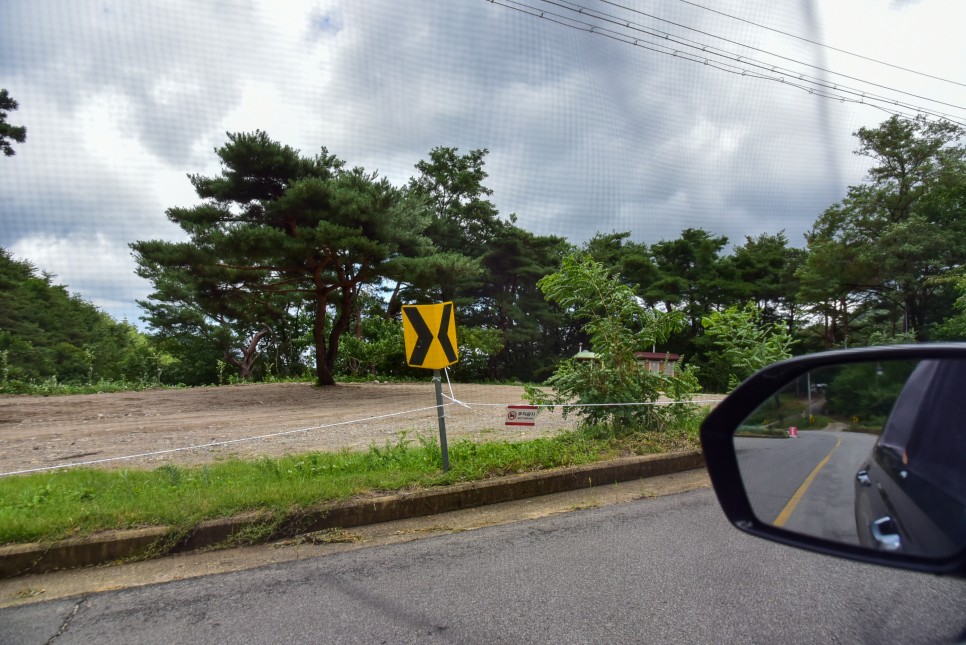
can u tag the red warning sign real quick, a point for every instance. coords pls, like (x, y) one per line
(521, 415)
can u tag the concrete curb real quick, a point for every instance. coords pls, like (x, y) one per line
(21, 559)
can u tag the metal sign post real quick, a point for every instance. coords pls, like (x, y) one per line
(441, 416)
(429, 333)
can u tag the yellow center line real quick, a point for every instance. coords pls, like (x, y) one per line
(786, 513)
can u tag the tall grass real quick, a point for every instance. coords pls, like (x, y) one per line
(52, 387)
(58, 504)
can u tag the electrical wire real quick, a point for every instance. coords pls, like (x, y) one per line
(757, 49)
(800, 81)
(707, 49)
(813, 42)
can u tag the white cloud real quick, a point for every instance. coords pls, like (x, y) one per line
(586, 134)
(96, 267)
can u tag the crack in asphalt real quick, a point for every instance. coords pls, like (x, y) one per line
(70, 617)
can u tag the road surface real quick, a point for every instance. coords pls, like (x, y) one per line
(805, 484)
(665, 569)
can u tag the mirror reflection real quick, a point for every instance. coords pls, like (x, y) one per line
(871, 454)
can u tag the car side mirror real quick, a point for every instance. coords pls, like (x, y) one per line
(855, 453)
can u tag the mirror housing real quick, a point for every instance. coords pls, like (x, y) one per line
(717, 440)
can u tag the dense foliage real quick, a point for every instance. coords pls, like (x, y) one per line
(876, 259)
(618, 326)
(745, 342)
(47, 334)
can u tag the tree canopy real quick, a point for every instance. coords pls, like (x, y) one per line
(277, 225)
(295, 263)
(8, 132)
(877, 254)
(746, 342)
(46, 332)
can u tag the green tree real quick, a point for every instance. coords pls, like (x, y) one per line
(763, 271)
(377, 348)
(188, 303)
(618, 326)
(828, 286)
(462, 215)
(876, 256)
(746, 343)
(276, 224)
(532, 331)
(462, 223)
(693, 276)
(631, 261)
(868, 390)
(8, 132)
(954, 326)
(47, 332)
(493, 271)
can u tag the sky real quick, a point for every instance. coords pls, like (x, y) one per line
(609, 122)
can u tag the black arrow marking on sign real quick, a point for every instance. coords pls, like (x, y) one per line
(443, 334)
(424, 337)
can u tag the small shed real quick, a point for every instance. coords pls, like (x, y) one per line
(658, 362)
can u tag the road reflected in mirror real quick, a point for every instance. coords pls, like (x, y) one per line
(870, 454)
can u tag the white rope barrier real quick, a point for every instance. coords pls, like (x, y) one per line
(451, 397)
(472, 405)
(214, 444)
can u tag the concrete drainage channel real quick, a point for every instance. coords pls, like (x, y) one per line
(21, 559)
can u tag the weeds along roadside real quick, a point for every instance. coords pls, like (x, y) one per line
(75, 502)
(51, 386)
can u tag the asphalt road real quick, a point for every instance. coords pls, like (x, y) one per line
(775, 470)
(666, 569)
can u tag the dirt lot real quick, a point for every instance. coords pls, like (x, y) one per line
(38, 432)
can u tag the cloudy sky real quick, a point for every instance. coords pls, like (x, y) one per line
(611, 121)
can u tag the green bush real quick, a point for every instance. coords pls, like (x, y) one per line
(614, 389)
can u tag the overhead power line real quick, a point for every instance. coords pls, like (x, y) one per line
(813, 42)
(709, 56)
(757, 49)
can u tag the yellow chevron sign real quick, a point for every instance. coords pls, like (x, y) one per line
(430, 335)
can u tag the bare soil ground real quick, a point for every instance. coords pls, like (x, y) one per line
(39, 432)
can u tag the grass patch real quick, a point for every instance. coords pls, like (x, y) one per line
(51, 387)
(817, 422)
(81, 501)
(876, 430)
